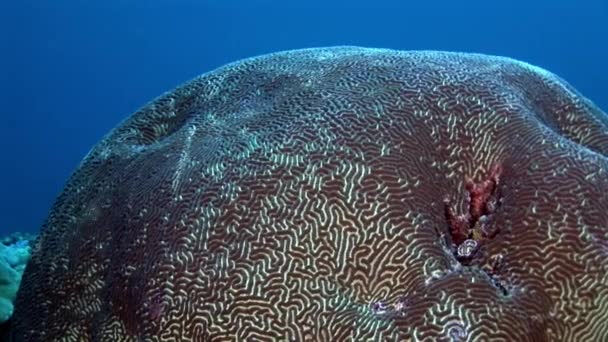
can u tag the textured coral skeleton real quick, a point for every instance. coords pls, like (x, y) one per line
(335, 194)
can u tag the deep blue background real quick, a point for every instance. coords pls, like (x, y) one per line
(71, 70)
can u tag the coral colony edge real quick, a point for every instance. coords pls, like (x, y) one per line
(332, 194)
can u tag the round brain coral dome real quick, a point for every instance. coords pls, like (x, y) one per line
(335, 194)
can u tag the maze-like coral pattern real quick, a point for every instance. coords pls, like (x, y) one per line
(336, 194)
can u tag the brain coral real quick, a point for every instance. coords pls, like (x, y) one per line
(334, 194)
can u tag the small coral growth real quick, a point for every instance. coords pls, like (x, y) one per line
(14, 255)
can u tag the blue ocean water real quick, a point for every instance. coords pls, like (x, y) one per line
(72, 69)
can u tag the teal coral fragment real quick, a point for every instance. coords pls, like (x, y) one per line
(13, 259)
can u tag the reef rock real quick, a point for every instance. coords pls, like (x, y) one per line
(334, 194)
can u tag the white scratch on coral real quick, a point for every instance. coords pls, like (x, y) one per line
(184, 158)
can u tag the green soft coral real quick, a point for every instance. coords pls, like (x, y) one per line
(13, 259)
